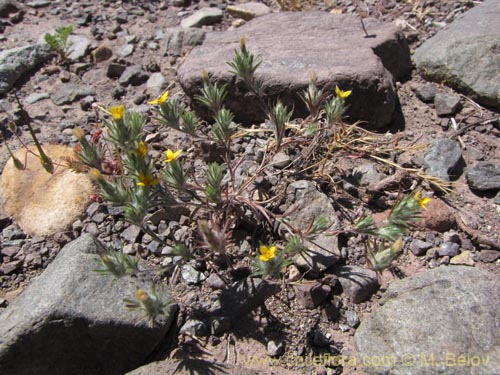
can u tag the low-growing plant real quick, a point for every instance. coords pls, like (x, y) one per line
(218, 197)
(59, 42)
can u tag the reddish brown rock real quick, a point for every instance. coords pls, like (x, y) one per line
(291, 46)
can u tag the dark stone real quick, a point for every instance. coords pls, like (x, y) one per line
(9, 6)
(488, 256)
(279, 41)
(449, 249)
(442, 158)
(426, 93)
(419, 247)
(311, 295)
(446, 104)
(71, 92)
(483, 176)
(133, 75)
(115, 70)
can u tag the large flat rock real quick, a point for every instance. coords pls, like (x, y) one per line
(466, 55)
(72, 320)
(291, 46)
(443, 321)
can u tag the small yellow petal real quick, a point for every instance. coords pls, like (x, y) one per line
(267, 253)
(170, 155)
(142, 149)
(342, 94)
(161, 99)
(117, 112)
(424, 202)
(142, 295)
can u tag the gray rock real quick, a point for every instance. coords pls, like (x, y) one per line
(446, 104)
(9, 6)
(483, 176)
(465, 54)
(127, 50)
(426, 93)
(36, 97)
(281, 160)
(275, 348)
(358, 284)
(214, 281)
(80, 47)
(442, 158)
(488, 256)
(322, 251)
(367, 174)
(133, 75)
(73, 310)
(178, 38)
(279, 41)
(419, 247)
(352, 318)
(131, 233)
(195, 327)
(433, 316)
(191, 365)
(10, 267)
(14, 63)
(449, 249)
(70, 92)
(156, 84)
(247, 11)
(192, 276)
(203, 17)
(38, 4)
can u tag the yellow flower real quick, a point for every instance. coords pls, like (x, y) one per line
(161, 99)
(142, 149)
(147, 180)
(142, 295)
(267, 253)
(117, 112)
(342, 94)
(422, 202)
(171, 155)
(95, 175)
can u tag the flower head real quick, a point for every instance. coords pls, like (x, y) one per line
(142, 295)
(422, 202)
(342, 94)
(117, 112)
(95, 174)
(267, 253)
(147, 179)
(161, 99)
(142, 149)
(170, 155)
